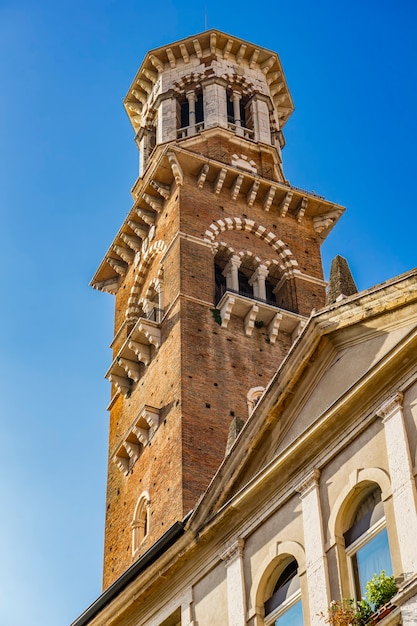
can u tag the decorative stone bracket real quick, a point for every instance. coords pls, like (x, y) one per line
(134, 355)
(273, 318)
(137, 437)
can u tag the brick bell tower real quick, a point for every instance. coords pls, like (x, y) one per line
(215, 270)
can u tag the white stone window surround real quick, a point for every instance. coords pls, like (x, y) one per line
(294, 587)
(140, 522)
(253, 396)
(264, 579)
(153, 301)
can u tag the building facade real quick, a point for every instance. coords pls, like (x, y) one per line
(262, 442)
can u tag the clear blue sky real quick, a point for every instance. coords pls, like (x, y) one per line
(67, 163)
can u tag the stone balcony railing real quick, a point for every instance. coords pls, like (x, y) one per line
(189, 131)
(241, 131)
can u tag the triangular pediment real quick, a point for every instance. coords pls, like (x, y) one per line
(347, 355)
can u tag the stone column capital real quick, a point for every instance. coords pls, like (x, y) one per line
(308, 483)
(234, 263)
(233, 552)
(390, 406)
(261, 271)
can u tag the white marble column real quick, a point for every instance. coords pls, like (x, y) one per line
(231, 272)
(316, 562)
(191, 112)
(236, 604)
(257, 282)
(236, 97)
(402, 481)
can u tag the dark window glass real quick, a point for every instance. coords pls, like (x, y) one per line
(185, 113)
(199, 109)
(230, 114)
(244, 287)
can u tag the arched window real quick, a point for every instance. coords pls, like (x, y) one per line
(283, 607)
(253, 396)
(239, 110)
(153, 303)
(140, 522)
(190, 113)
(366, 541)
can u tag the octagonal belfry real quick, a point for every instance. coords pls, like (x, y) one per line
(215, 271)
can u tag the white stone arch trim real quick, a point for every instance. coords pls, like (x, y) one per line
(289, 263)
(156, 284)
(237, 81)
(249, 256)
(193, 78)
(157, 247)
(358, 481)
(222, 246)
(140, 521)
(263, 583)
(252, 396)
(226, 249)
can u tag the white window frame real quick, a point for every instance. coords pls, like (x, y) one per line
(359, 543)
(283, 608)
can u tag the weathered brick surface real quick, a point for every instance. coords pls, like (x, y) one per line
(221, 149)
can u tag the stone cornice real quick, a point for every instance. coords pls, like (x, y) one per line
(189, 52)
(170, 164)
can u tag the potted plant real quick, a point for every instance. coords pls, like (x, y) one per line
(347, 612)
(367, 611)
(379, 591)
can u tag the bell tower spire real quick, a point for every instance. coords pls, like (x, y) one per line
(215, 270)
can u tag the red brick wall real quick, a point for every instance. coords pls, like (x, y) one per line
(200, 376)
